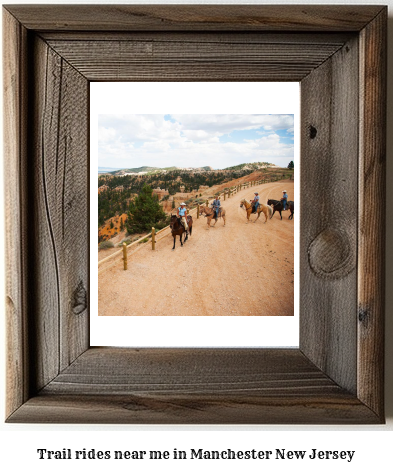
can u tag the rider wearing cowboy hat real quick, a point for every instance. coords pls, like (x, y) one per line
(255, 202)
(182, 213)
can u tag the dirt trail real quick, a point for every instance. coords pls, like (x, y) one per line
(240, 269)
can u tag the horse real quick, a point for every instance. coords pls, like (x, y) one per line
(210, 214)
(278, 206)
(178, 229)
(267, 210)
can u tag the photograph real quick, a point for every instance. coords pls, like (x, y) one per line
(202, 208)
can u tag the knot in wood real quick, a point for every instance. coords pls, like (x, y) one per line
(330, 254)
(80, 299)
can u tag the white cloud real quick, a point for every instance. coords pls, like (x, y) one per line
(191, 140)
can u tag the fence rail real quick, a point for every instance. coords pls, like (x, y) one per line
(154, 234)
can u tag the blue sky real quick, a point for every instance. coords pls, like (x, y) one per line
(193, 140)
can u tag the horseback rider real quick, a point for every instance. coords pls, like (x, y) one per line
(255, 203)
(182, 214)
(284, 200)
(216, 204)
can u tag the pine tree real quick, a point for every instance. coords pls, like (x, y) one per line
(291, 165)
(144, 212)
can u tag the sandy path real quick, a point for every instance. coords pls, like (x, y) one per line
(239, 269)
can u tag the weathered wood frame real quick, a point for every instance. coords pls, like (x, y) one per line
(338, 53)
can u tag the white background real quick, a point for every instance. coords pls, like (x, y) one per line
(190, 98)
(18, 443)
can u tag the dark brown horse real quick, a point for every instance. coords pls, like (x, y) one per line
(178, 229)
(278, 206)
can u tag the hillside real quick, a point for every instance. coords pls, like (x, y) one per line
(252, 166)
(114, 201)
(238, 270)
(151, 170)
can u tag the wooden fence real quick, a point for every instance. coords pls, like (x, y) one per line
(152, 236)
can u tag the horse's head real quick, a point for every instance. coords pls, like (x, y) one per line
(173, 220)
(242, 203)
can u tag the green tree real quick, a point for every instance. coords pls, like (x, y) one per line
(144, 212)
(290, 166)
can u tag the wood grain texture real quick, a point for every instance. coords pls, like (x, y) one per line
(195, 17)
(14, 76)
(329, 187)
(60, 220)
(372, 190)
(216, 60)
(193, 386)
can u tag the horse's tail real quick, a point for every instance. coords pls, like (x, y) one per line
(270, 211)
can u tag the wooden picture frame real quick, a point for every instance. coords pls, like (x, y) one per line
(338, 54)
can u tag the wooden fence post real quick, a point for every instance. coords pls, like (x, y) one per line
(125, 255)
(224, 195)
(153, 238)
(198, 211)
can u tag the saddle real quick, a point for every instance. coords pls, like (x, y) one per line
(255, 208)
(218, 212)
(179, 219)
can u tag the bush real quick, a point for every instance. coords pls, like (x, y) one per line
(125, 241)
(106, 245)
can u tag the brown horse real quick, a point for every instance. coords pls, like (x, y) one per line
(278, 206)
(210, 214)
(178, 229)
(267, 210)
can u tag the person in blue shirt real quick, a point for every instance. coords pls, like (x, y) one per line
(216, 206)
(284, 200)
(182, 213)
(255, 203)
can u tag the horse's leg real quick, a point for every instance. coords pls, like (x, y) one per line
(174, 242)
(224, 220)
(258, 213)
(181, 239)
(280, 214)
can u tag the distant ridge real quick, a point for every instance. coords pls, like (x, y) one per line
(103, 169)
(151, 169)
(251, 166)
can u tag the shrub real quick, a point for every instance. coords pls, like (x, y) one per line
(106, 245)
